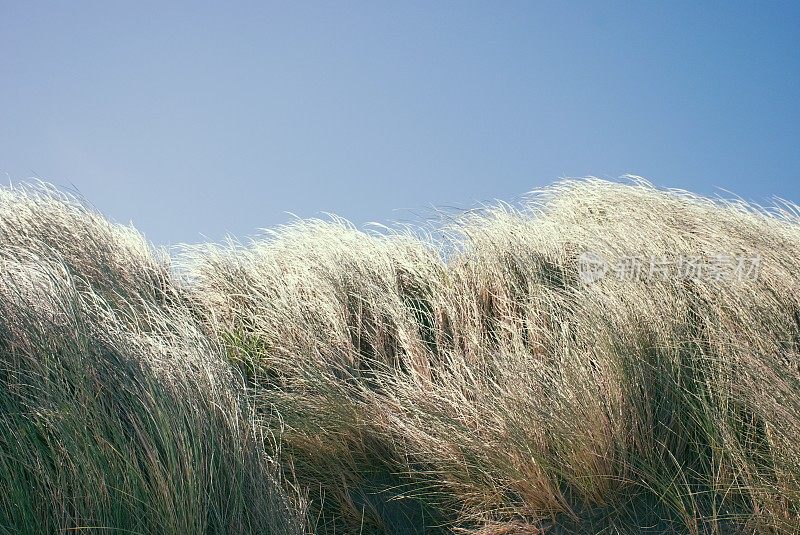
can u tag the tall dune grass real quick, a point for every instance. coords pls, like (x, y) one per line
(117, 413)
(326, 379)
(477, 384)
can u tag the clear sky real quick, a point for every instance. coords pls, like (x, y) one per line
(197, 119)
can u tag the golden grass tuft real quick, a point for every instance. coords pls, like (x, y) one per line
(468, 380)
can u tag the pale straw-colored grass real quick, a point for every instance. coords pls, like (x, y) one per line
(118, 414)
(324, 378)
(475, 382)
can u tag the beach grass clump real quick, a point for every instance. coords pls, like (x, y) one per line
(479, 383)
(118, 414)
(597, 358)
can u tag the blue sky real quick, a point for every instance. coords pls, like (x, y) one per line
(199, 119)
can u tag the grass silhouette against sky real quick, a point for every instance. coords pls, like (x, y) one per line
(195, 120)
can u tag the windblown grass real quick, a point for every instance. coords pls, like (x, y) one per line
(117, 413)
(326, 379)
(476, 384)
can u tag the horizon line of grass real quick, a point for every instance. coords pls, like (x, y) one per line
(325, 379)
